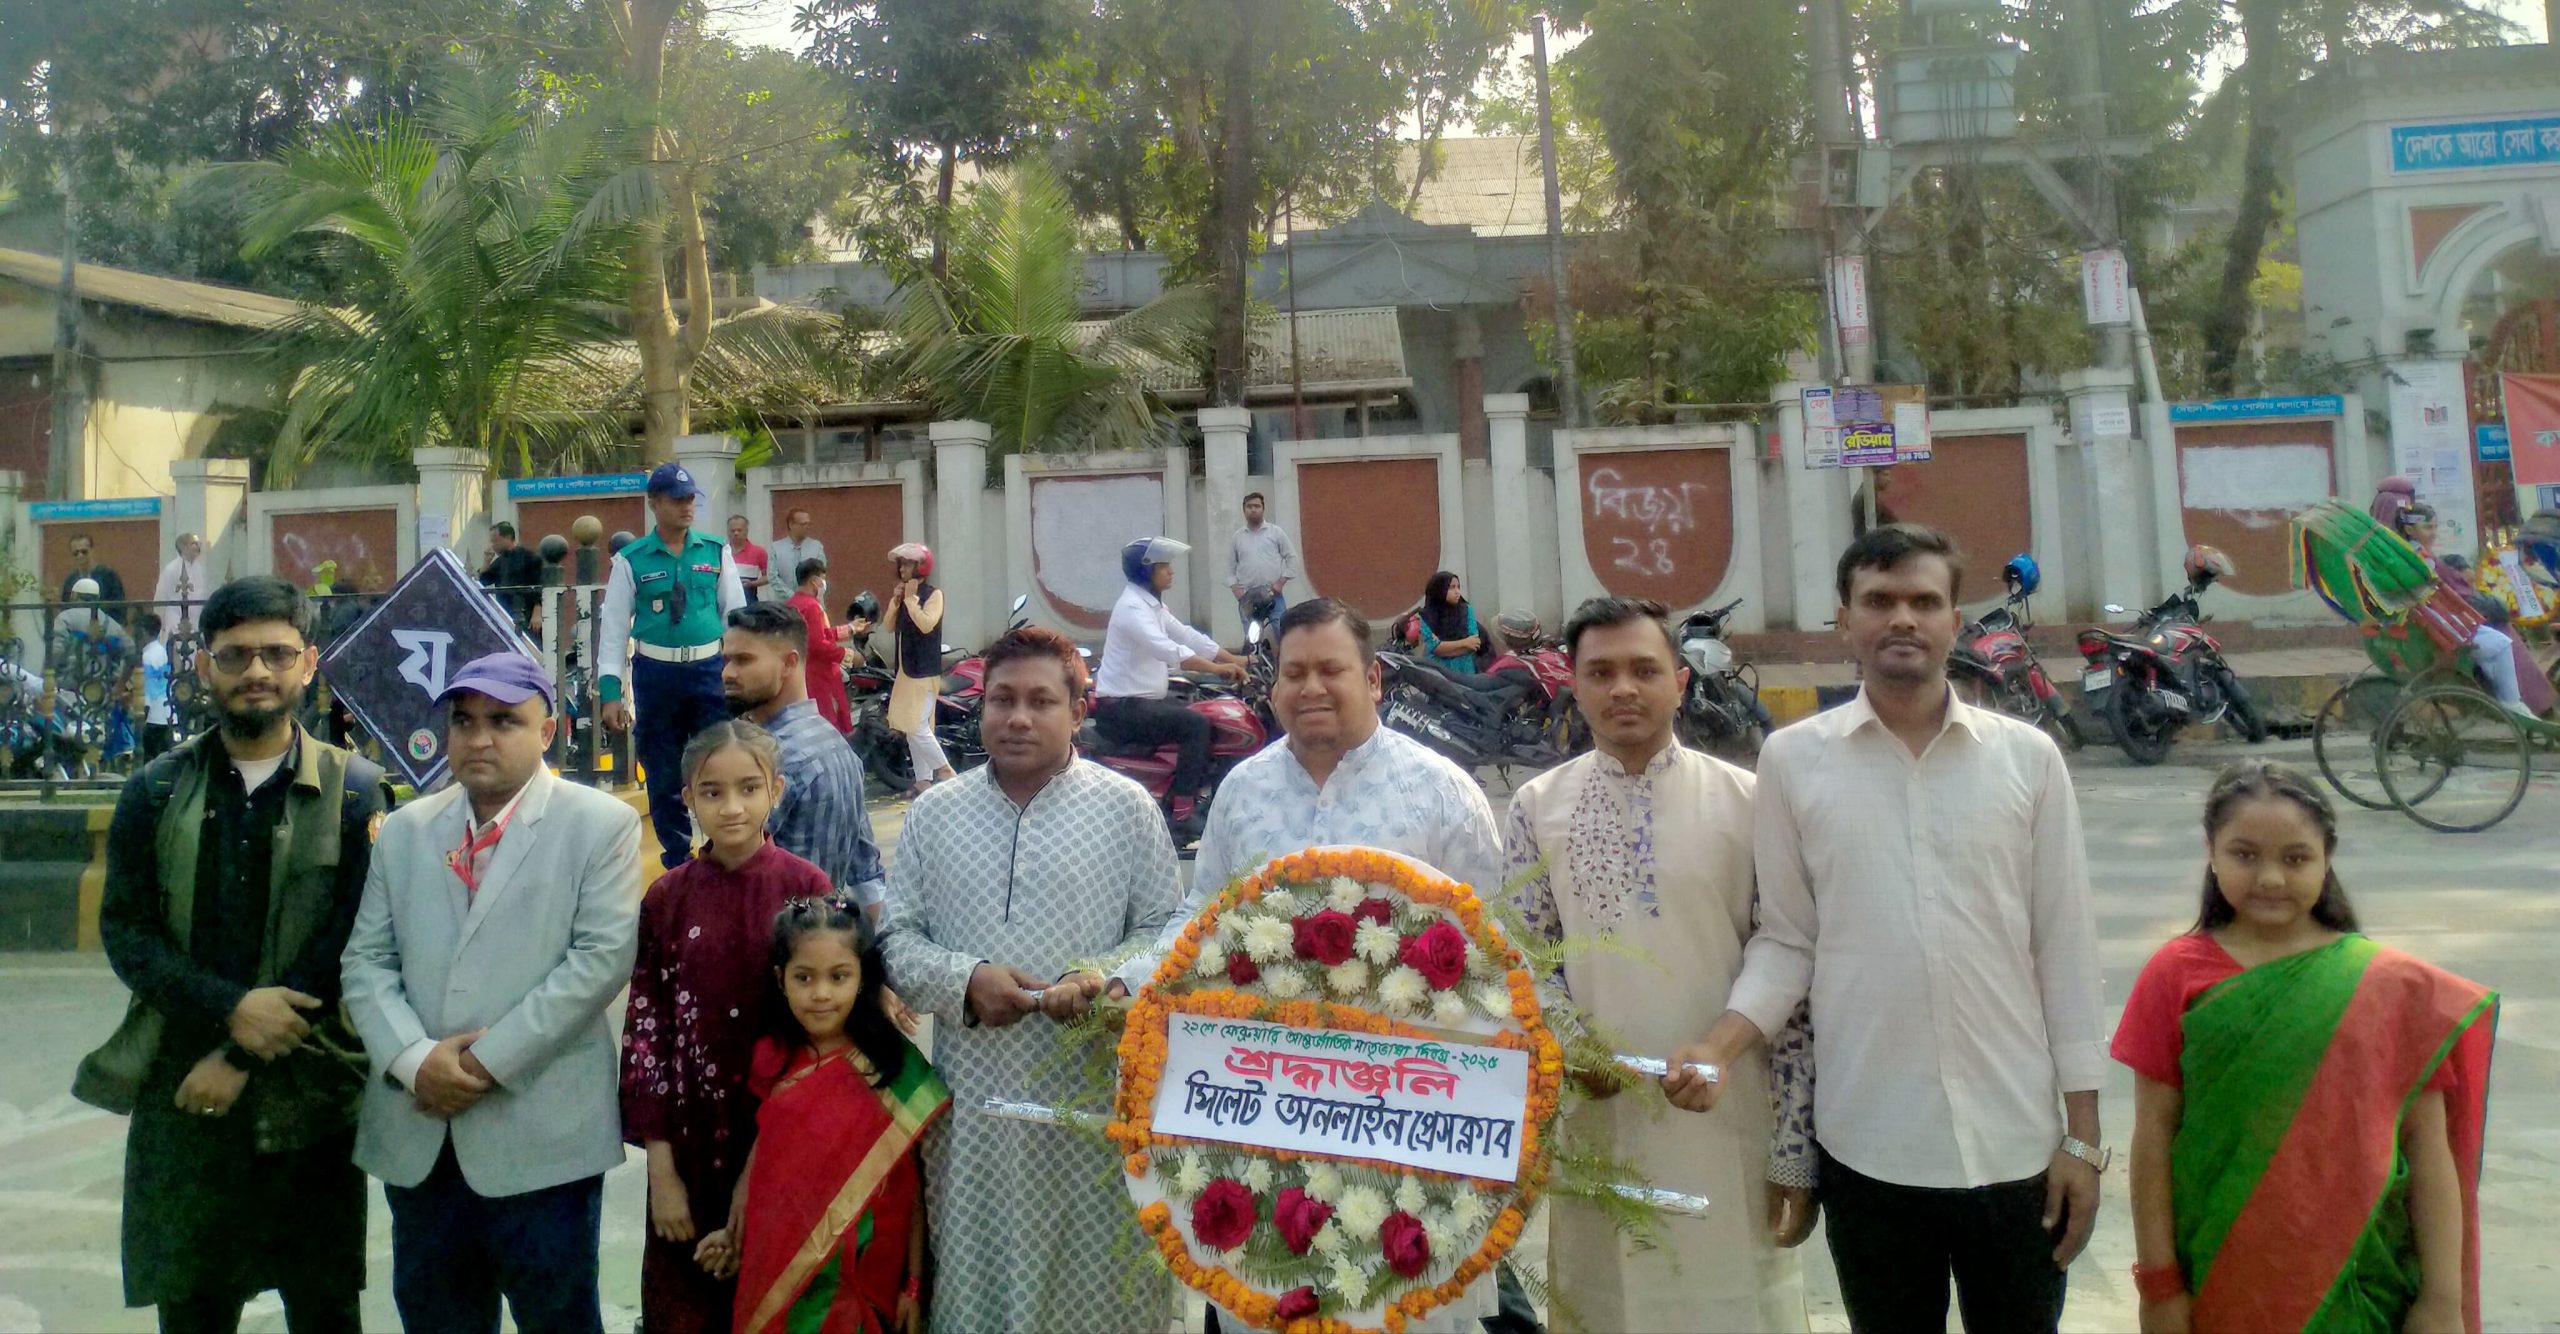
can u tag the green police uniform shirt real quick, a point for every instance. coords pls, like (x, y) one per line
(666, 599)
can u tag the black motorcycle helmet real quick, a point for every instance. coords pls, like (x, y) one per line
(864, 607)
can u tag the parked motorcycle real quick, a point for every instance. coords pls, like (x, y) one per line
(1721, 712)
(1475, 722)
(2168, 672)
(1531, 659)
(1994, 664)
(1240, 725)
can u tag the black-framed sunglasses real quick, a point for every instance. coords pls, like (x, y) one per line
(235, 659)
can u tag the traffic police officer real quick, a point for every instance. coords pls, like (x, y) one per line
(667, 597)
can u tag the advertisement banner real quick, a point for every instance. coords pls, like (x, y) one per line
(2431, 446)
(1444, 1106)
(2533, 426)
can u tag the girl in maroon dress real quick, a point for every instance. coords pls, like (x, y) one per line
(698, 995)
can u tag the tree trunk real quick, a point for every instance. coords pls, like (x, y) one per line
(942, 183)
(1234, 230)
(2226, 329)
(666, 351)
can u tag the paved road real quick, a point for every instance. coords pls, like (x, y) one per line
(2485, 905)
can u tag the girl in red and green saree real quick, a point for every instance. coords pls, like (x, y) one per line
(2308, 1104)
(826, 1230)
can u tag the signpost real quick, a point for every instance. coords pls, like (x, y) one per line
(390, 668)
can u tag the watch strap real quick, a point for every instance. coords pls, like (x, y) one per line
(2093, 1156)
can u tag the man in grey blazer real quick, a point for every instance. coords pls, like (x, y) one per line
(499, 920)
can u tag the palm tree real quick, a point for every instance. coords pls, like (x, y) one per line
(999, 338)
(480, 249)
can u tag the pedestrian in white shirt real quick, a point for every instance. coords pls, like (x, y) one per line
(1140, 652)
(1260, 563)
(1922, 878)
(784, 554)
(183, 587)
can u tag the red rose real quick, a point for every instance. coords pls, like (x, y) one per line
(1375, 910)
(1325, 937)
(1439, 954)
(1240, 969)
(1299, 1216)
(1223, 1216)
(1408, 1250)
(1296, 1304)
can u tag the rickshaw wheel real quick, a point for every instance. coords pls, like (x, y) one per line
(2460, 753)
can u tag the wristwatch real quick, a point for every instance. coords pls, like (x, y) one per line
(2095, 1157)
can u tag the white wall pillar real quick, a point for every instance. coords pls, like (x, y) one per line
(2168, 505)
(713, 461)
(959, 531)
(1222, 449)
(453, 488)
(24, 547)
(1506, 420)
(1816, 530)
(212, 502)
(2113, 480)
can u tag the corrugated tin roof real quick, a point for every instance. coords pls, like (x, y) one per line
(204, 303)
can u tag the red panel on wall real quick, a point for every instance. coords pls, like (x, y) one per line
(1974, 488)
(1371, 530)
(364, 542)
(537, 519)
(857, 524)
(130, 547)
(1658, 523)
(2241, 483)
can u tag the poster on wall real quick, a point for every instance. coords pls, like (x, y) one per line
(2533, 427)
(2431, 446)
(1866, 425)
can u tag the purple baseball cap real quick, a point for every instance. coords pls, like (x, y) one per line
(508, 677)
(671, 480)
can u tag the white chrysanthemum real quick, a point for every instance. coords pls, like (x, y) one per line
(1285, 983)
(1466, 1209)
(1348, 1282)
(1447, 1010)
(1442, 1232)
(1375, 943)
(1267, 939)
(1348, 978)
(1360, 1211)
(1282, 902)
(1344, 893)
(1409, 1196)
(1212, 963)
(1257, 1177)
(1402, 991)
(1230, 925)
(1478, 962)
(1190, 1175)
(1324, 1182)
(1329, 1239)
(1494, 999)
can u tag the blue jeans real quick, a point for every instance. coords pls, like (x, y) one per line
(675, 701)
(455, 1253)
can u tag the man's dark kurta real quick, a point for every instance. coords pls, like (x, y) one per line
(267, 1196)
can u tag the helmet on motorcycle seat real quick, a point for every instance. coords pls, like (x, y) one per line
(1516, 627)
(1139, 559)
(2022, 574)
(918, 552)
(2205, 564)
(864, 607)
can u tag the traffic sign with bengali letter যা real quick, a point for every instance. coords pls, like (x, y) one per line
(390, 668)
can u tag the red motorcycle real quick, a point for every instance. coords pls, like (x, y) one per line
(1529, 657)
(2169, 672)
(1997, 669)
(1240, 724)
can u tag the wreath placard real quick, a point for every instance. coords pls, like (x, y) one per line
(1360, 1097)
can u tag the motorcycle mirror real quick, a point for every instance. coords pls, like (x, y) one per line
(1253, 634)
(1021, 601)
(2113, 609)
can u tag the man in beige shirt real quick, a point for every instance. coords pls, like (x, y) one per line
(1922, 879)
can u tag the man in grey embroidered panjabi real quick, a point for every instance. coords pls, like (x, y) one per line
(1009, 881)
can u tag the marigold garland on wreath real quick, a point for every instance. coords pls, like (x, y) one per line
(1311, 1243)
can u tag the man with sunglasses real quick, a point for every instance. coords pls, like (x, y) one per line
(234, 866)
(667, 598)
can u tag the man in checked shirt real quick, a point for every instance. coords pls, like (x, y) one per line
(1922, 879)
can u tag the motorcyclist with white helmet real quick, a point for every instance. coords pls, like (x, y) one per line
(1145, 645)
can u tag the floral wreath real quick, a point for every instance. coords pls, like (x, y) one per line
(1311, 1243)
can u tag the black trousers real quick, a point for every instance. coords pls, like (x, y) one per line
(1128, 720)
(455, 1253)
(329, 1312)
(1896, 1246)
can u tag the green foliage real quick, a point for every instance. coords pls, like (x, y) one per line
(930, 76)
(1982, 284)
(997, 341)
(771, 134)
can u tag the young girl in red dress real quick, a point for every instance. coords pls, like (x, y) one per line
(826, 1231)
(698, 995)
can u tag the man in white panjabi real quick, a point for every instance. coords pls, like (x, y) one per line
(1651, 842)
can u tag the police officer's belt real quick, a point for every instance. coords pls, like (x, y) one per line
(662, 653)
